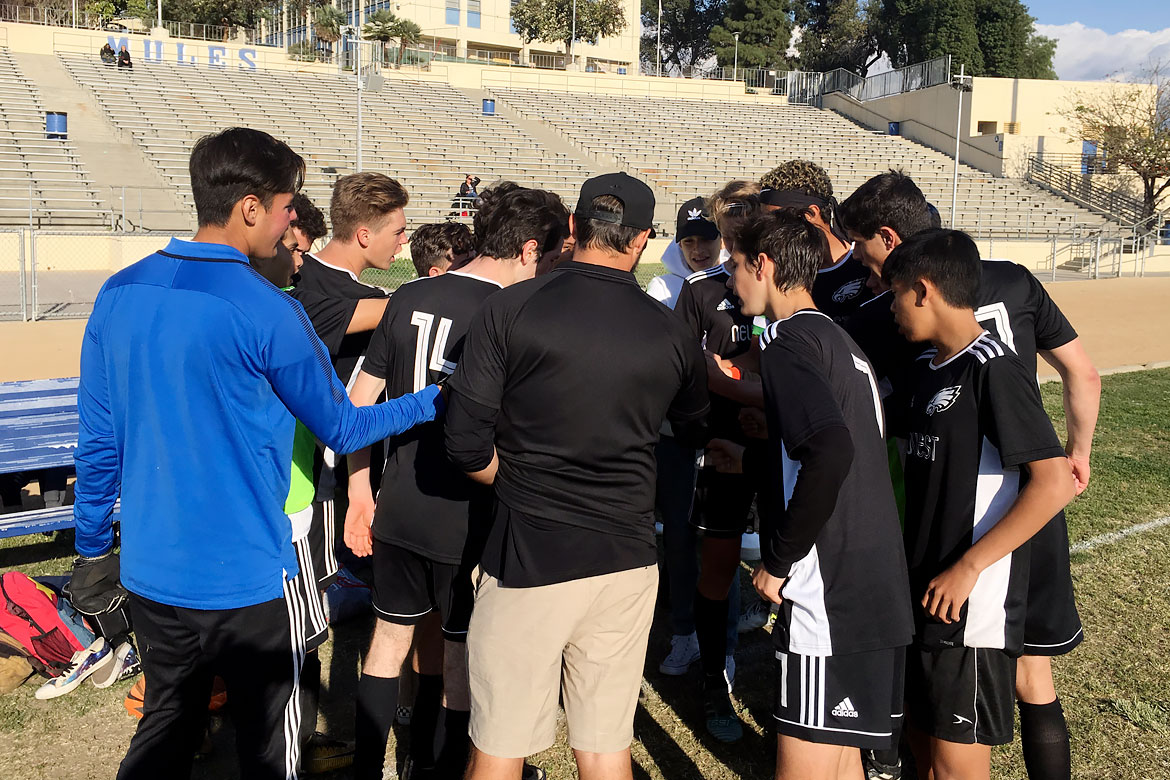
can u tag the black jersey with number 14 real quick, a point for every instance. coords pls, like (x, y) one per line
(423, 504)
(974, 420)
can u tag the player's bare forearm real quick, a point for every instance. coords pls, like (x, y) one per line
(367, 315)
(1082, 394)
(1049, 489)
(487, 475)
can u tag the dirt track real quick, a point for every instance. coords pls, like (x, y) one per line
(1123, 323)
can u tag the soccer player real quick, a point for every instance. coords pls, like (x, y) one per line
(1015, 307)
(984, 474)
(211, 573)
(696, 247)
(805, 186)
(309, 226)
(832, 556)
(425, 532)
(723, 502)
(558, 406)
(439, 247)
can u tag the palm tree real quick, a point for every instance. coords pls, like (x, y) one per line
(327, 22)
(381, 26)
(408, 34)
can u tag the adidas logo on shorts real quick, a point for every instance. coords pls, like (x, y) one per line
(845, 710)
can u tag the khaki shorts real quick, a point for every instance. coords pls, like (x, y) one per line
(584, 639)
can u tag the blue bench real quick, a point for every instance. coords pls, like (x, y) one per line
(38, 430)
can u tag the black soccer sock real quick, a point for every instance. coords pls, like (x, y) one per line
(310, 694)
(424, 720)
(1044, 734)
(451, 743)
(711, 628)
(377, 699)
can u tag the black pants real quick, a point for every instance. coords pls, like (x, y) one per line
(258, 650)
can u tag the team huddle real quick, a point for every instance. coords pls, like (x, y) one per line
(850, 379)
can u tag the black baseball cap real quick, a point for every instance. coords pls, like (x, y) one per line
(636, 196)
(692, 221)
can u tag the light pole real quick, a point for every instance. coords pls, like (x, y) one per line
(160, 13)
(735, 68)
(659, 37)
(960, 83)
(572, 35)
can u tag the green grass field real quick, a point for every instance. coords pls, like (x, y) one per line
(1115, 687)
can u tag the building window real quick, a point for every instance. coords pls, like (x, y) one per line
(986, 128)
(453, 12)
(473, 13)
(511, 24)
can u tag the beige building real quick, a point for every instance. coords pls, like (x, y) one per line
(471, 29)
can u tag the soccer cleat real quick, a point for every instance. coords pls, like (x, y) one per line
(729, 672)
(95, 659)
(684, 651)
(531, 772)
(325, 754)
(403, 714)
(124, 667)
(757, 615)
(876, 770)
(722, 722)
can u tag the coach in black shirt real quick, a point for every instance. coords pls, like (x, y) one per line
(563, 386)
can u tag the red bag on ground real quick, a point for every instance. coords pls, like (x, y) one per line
(29, 615)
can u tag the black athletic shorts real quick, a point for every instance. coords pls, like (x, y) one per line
(1052, 625)
(853, 700)
(408, 586)
(323, 543)
(304, 593)
(723, 504)
(962, 694)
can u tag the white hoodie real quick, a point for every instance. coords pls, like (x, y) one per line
(665, 288)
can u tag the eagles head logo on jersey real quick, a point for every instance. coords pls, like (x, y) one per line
(694, 214)
(943, 400)
(848, 290)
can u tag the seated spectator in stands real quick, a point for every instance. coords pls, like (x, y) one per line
(436, 249)
(107, 54)
(468, 188)
(124, 58)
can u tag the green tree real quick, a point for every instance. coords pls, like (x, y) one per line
(686, 32)
(1003, 27)
(1130, 124)
(765, 30)
(408, 34)
(1037, 60)
(551, 21)
(382, 26)
(915, 30)
(327, 23)
(836, 34)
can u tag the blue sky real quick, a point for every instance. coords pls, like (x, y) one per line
(1112, 17)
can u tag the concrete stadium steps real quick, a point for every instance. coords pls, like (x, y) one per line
(426, 134)
(689, 147)
(42, 180)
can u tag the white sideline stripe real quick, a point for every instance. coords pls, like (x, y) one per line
(1117, 536)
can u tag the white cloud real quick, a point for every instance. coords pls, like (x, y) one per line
(1089, 54)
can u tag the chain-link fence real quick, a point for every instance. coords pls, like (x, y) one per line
(13, 282)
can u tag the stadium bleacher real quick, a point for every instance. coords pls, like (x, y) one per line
(426, 134)
(33, 167)
(689, 147)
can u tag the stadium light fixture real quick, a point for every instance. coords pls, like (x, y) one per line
(735, 68)
(961, 83)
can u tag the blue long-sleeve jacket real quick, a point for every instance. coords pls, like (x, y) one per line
(192, 370)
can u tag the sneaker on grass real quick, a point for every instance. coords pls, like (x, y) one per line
(684, 651)
(95, 659)
(323, 753)
(722, 722)
(729, 671)
(757, 615)
(124, 667)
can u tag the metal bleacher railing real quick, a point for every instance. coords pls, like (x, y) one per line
(62, 15)
(1079, 188)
